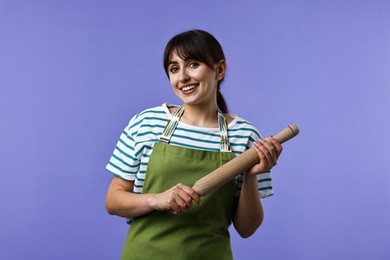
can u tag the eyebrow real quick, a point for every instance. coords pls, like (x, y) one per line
(172, 62)
(186, 60)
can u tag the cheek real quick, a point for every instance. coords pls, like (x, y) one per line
(209, 77)
(172, 80)
(212, 82)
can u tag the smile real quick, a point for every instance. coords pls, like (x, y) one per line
(189, 88)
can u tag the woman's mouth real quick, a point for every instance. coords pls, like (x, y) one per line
(188, 89)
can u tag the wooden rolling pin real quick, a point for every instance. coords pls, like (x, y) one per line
(238, 165)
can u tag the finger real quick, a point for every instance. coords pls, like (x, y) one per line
(172, 200)
(184, 194)
(278, 146)
(173, 207)
(260, 153)
(181, 204)
(257, 146)
(267, 154)
(176, 211)
(272, 151)
(192, 193)
(181, 198)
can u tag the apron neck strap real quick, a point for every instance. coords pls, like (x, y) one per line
(223, 131)
(172, 124)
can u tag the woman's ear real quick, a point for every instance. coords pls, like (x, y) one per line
(221, 69)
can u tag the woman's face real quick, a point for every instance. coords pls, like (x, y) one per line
(194, 82)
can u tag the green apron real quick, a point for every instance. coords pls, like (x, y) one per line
(198, 233)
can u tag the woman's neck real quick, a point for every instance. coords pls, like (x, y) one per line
(201, 116)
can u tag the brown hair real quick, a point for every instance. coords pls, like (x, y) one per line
(201, 46)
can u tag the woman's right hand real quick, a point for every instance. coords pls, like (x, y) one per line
(176, 199)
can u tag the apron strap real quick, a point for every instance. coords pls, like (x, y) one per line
(223, 131)
(170, 128)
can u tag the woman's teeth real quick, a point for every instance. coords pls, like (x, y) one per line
(188, 88)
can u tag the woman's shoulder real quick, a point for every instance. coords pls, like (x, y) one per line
(239, 124)
(150, 115)
(237, 121)
(160, 110)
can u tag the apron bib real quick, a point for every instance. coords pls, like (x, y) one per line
(198, 233)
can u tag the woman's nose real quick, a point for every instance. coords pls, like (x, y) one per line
(184, 76)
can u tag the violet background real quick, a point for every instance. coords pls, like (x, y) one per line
(72, 73)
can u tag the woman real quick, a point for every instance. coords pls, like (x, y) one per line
(164, 150)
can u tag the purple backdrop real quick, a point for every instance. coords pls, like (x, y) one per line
(72, 73)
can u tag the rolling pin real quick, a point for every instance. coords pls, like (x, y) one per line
(238, 165)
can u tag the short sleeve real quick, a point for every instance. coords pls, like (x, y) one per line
(123, 162)
(264, 179)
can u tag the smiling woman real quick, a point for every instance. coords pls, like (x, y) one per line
(194, 82)
(198, 46)
(164, 150)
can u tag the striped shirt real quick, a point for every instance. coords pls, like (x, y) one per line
(130, 158)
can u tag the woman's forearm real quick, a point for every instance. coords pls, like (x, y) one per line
(122, 202)
(127, 204)
(249, 211)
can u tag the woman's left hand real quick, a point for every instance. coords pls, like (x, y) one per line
(269, 151)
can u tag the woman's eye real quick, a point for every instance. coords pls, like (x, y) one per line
(173, 69)
(194, 65)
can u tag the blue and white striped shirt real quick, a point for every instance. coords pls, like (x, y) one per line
(132, 152)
